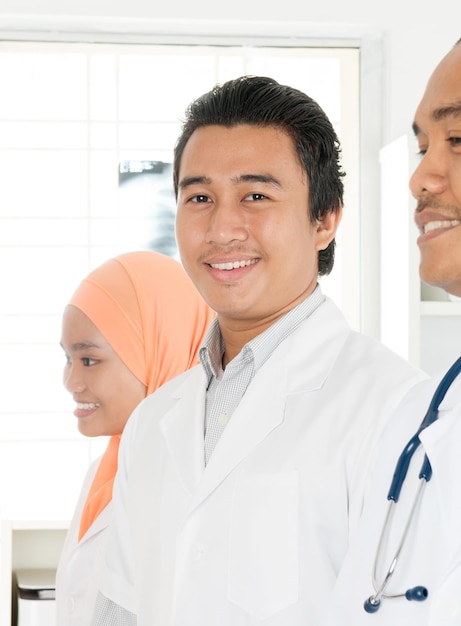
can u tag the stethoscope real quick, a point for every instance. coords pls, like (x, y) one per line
(419, 593)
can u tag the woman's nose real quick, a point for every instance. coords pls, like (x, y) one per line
(72, 380)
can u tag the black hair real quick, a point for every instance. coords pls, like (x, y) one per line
(262, 101)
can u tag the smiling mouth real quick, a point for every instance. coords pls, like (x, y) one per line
(232, 265)
(430, 226)
(87, 406)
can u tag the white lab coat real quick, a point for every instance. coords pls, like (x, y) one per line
(81, 563)
(256, 537)
(432, 554)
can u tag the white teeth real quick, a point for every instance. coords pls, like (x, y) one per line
(440, 224)
(232, 266)
(83, 406)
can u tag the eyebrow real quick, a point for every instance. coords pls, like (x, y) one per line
(243, 178)
(258, 178)
(193, 180)
(441, 113)
(83, 345)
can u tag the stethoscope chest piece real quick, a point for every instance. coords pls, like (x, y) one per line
(419, 593)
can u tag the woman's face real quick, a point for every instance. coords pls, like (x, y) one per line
(103, 388)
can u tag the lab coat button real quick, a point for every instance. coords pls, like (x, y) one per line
(223, 419)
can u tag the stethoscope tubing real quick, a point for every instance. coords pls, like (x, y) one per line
(417, 593)
(431, 416)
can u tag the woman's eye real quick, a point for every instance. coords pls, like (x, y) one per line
(455, 141)
(87, 362)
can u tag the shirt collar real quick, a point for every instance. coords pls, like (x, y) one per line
(261, 347)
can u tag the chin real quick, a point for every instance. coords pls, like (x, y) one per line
(454, 292)
(87, 431)
(451, 287)
(436, 276)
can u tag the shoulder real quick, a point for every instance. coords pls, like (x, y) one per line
(358, 352)
(373, 353)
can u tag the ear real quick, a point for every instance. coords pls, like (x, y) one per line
(327, 227)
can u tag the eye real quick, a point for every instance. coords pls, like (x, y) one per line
(455, 141)
(199, 199)
(422, 149)
(87, 362)
(254, 197)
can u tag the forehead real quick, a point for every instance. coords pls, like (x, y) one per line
(221, 146)
(77, 326)
(443, 92)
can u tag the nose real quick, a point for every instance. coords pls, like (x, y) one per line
(430, 176)
(227, 224)
(72, 380)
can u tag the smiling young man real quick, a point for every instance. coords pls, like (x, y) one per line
(233, 495)
(430, 560)
(245, 235)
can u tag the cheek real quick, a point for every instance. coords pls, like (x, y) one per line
(186, 231)
(456, 178)
(121, 406)
(188, 220)
(132, 392)
(190, 237)
(295, 233)
(122, 391)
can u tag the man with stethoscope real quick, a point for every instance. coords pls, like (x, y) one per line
(404, 565)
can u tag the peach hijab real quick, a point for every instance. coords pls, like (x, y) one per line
(150, 313)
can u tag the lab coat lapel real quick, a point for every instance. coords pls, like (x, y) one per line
(99, 524)
(257, 415)
(183, 428)
(434, 437)
(444, 457)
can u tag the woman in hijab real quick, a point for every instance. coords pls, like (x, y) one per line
(134, 323)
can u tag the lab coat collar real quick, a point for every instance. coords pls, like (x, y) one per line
(99, 524)
(434, 437)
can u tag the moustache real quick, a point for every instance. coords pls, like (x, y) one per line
(430, 202)
(216, 250)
